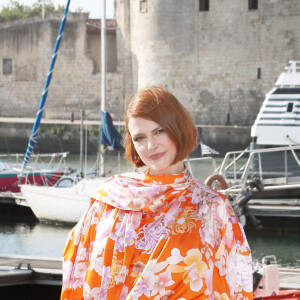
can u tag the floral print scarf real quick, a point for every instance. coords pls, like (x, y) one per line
(157, 237)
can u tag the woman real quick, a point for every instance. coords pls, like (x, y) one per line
(161, 234)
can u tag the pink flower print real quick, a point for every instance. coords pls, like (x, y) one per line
(222, 214)
(207, 235)
(162, 281)
(196, 196)
(154, 191)
(67, 270)
(97, 264)
(221, 265)
(79, 274)
(124, 293)
(229, 238)
(150, 235)
(143, 288)
(208, 275)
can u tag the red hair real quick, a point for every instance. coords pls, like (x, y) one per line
(159, 105)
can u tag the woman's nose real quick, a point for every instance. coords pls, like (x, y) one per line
(152, 144)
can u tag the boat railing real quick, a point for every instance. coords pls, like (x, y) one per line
(273, 166)
(37, 161)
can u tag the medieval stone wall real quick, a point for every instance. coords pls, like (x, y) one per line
(76, 82)
(219, 63)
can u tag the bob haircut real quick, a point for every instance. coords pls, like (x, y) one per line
(159, 105)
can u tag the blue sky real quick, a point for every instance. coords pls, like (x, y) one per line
(92, 6)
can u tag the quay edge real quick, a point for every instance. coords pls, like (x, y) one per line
(64, 135)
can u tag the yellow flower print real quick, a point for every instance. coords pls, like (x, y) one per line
(193, 269)
(115, 270)
(185, 221)
(221, 250)
(223, 296)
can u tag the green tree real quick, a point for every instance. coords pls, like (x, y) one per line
(15, 11)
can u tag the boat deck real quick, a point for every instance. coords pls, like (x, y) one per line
(30, 270)
(275, 207)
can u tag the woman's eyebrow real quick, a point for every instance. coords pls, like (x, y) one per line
(152, 131)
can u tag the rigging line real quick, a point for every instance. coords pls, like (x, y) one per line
(293, 151)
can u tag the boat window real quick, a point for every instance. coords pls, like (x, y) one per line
(290, 107)
(287, 91)
(203, 5)
(253, 4)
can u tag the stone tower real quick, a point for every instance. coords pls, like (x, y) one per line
(219, 61)
(163, 43)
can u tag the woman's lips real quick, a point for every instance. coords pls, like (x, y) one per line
(157, 156)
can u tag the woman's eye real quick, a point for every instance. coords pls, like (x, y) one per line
(138, 138)
(160, 131)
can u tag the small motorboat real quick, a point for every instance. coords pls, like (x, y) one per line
(266, 282)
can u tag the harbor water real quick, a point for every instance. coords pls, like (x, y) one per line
(47, 240)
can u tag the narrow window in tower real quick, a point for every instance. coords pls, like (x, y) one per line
(143, 6)
(7, 66)
(253, 4)
(203, 5)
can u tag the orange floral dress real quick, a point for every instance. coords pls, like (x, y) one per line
(157, 237)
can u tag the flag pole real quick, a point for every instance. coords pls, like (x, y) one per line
(103, 78)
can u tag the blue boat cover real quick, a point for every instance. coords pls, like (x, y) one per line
(109, 135)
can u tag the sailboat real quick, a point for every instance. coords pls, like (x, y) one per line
(44, 169)
(67, 204)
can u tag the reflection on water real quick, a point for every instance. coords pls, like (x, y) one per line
(46, 240)
(284, 245)
(32, 239)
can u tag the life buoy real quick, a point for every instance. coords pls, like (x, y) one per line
(219, 179)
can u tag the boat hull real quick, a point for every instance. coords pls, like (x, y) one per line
(63, 205)
(9, 181)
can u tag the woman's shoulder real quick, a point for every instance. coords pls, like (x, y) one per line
(207, 192)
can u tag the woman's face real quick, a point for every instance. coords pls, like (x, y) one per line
(154, 146)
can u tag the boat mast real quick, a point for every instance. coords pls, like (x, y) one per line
(103, 77)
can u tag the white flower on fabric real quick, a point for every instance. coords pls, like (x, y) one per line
(176, 257)
(161, 281)
(67, 270)
(82, 254)
(89, 294)
(207, 235)
(222, 213)
(122, 275)
(124, 293)
(80, 270)
(221, 265)
(106, 275)
(97, 265)
(86, 291)
(196, 197)
(239, 271)
(208, 276)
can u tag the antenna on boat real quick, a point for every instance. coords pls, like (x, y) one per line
(35, 130)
